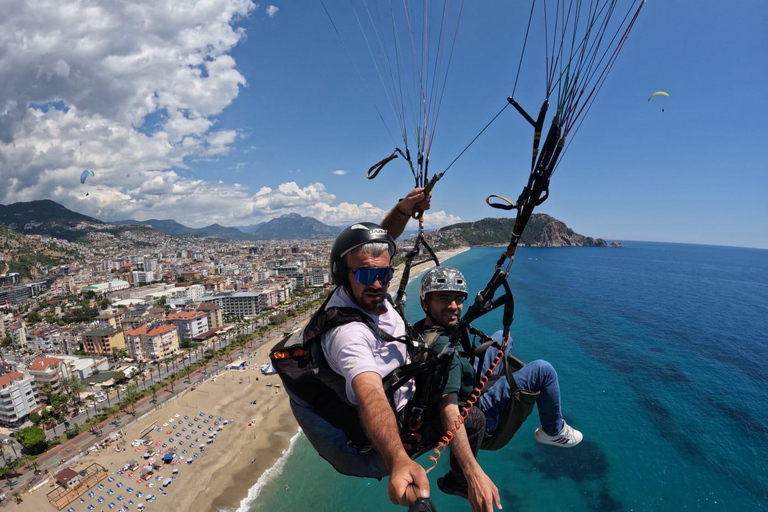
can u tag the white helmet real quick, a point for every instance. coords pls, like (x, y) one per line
(443, 279)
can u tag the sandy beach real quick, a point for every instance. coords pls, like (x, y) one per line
(416, 272)
(220, 477)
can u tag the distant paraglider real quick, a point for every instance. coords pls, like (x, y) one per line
(84, 175)
(658, 93)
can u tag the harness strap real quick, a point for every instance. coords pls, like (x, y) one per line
(400, 297)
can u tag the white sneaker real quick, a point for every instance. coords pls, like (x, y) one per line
(568, 437)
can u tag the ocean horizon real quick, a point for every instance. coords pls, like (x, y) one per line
(660, 349)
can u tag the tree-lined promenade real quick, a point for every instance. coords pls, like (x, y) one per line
(74, 425)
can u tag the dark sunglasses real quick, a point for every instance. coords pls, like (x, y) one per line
(446, 300)
(368, 276)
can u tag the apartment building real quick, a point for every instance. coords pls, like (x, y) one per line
(153, 342)
(270, 297)
(18, 334)
(10, 279)
(17, 398)
(318, 277)
(112, 317)
(5, 325)
(191, 292)
(102, 340)
(189, 323)
(44, 339)
(291, 270)
(239, 303)
(213, 313)
(142, 277)
(49, 370)
(17, 294)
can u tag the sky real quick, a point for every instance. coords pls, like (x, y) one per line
(236, 112)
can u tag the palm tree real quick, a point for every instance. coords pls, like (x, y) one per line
(72, 386)
(132, 396)
(46, 389)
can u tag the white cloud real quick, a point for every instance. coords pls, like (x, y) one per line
(80, 80)
(434, 220)
(340, 172)
(132, 91)
(272, 11)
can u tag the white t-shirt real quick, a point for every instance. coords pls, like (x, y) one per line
(353, 348)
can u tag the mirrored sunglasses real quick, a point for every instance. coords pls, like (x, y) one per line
(368, 276)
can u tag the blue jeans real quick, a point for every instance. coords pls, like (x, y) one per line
(537, 375)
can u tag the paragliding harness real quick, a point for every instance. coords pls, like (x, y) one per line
(520, 403)
(301, 364)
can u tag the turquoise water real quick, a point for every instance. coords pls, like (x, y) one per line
(661, 350)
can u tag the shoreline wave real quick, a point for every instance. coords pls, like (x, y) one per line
(269, 475)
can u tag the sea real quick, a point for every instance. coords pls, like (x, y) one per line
(661, 351)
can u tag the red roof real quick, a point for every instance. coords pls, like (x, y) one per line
(10, 377)
(43, 363)
(66, 475)
(185, 315)
(148, 330)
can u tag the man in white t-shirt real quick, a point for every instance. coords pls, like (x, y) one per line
(364, 353)
(360, 267)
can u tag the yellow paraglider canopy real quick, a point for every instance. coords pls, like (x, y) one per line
(658, 93)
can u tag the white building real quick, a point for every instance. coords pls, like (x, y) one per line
(49, 370)
(152, 342)
(189, 323)
(193, 292)
(18, 333)
(292, 270)
(17, 398)
(84, 367)
(5, 325)
(111, 286)
(241, 303)
(318, 277)
(140, 277)
(44, 339)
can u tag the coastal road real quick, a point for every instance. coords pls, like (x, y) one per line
(56, 457)
(154, 374)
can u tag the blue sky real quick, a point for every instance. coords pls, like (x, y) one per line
(685, 175)
(277, 107)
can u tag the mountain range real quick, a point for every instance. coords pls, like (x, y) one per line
(288, 226)
(46, 217)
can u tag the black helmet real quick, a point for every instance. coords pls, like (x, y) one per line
(355, 236)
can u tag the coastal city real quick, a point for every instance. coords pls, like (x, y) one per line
(90, 346)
